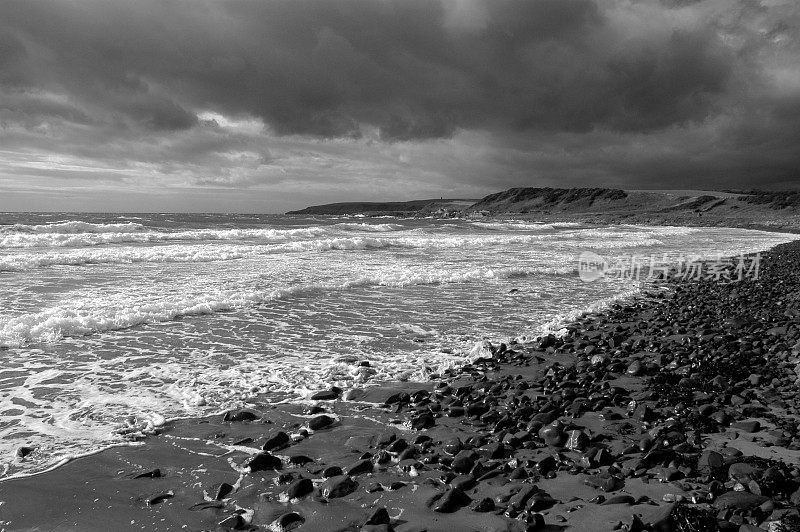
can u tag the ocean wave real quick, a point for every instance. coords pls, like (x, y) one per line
(55, 323)
(73, 227)
(177, 253)
(23, 240)
(513, 225)
(370, 228)
(198, 252)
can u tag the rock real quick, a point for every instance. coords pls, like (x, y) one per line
(484, 505)
(451, 501)
(161, 497)
(354, 394)
(634, 524)
(546, 464)
(452, 446)
(207, 505)
(220, 491)
(620, 499)
(668, 474)
(332, 471)
(286, 522)
(336, 487)
(360, 467)
(300, 460)
(635, 368)
(551, 434)
(577, 440)
(320, 422)
(739, 500)
(541, 501)
(325, 395)
(23, 451)
(463, 462)
(517, 502)
(744, 472)
(234, 521)
(710, 462)
(300, 488)
(386, 438)
(747, 426)
(379, 517)
(397, 446)
(263, 461)
(240, 415)
(463, 482)
(153, 473)
(279, 440)
(423, 422)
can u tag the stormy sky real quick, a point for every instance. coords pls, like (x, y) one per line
(268, 105)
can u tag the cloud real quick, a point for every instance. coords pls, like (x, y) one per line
(549, 86)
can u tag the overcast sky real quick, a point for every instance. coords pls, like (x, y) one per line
(268, 105)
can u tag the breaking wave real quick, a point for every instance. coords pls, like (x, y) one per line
(55, 323)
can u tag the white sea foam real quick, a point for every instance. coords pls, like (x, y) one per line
(371, 228)
(89, 317)
(22, 240)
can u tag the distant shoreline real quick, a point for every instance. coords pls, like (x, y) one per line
(757, 210)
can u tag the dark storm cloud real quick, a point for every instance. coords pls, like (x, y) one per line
(633, 78)
(324, 68)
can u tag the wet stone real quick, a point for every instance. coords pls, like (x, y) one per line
(336, 487)
(276, 441)
(320, 422)
(263, 461)
(300, 488)
(450, 501)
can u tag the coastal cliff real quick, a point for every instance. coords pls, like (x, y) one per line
(752, 209)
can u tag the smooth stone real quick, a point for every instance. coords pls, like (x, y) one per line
(336, 487)
(451, 501)
(379, 517)
(161, 497)
(739, 500)
(287, 522)
(320, 422)
(620, 499)
(263, 461)
(240, 415)
(747, 426)
(153, 473)
(463, 462)
(332, 471)
(325, 395)
(354, 394)
(276, 441)
(397, 446)
(552, 434)
(300, 460)
(300, 488)
(423, 422)
(710, 461)
(360, 467)
(463, 482)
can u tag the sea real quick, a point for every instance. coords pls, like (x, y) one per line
(113, 324)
